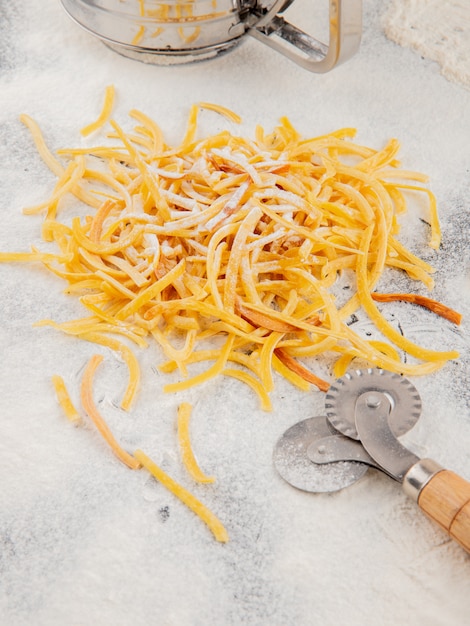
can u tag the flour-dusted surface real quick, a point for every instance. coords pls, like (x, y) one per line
(85, 541)
(438, 30)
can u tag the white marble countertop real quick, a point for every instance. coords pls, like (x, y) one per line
(83, 541)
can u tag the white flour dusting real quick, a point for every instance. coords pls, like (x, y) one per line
(85, 541)
(438, 30)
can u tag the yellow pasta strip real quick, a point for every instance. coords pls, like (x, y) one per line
(362, 349)
(181, 355)
(235, 356)
(28, 257)
(395, 336)
(100, 247)
(153, 129)
(246, 378)
(289, 375)
(119, 288)
(213, 371)
(436, 233)
(104, 115)
(189, 38)
(233, 265)
(213, 523)
(64, 400)
(98, 219)
(52, 163)
(266, 357)
(152, 291)
(137, 39)
(428, 303)
(95, 416)
(71, 175)
(129, 358)
(230, 115)
(191, 128)
(95, 325)
(342, 364)
(279, 322)
(189, 460)
(300, 370)
(148, 180)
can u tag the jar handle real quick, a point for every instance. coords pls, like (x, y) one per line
(345, 28)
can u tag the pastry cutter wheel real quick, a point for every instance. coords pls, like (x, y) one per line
(366, 412)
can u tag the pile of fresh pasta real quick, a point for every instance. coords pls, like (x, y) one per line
(232, 243)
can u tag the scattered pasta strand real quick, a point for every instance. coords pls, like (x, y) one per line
(213, 523)
(104, 115)
(428, 303)
(252, 382)
(189, 460)
(64, 400)
(230, 115)
(436, 234)
(91, 410)
(49, 159)
(129, 358)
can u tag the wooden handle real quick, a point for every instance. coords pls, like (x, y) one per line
(446, 499)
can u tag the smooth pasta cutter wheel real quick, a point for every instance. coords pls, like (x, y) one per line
(293, 462)
(366, 411)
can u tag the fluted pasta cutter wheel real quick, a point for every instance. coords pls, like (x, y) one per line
(341, 398)
(322, 454)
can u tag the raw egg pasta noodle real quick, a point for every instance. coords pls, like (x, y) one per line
(104, 115)
(89, 406)
(232, 238)
(187, 498)
(184, 439)
(65, 401)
